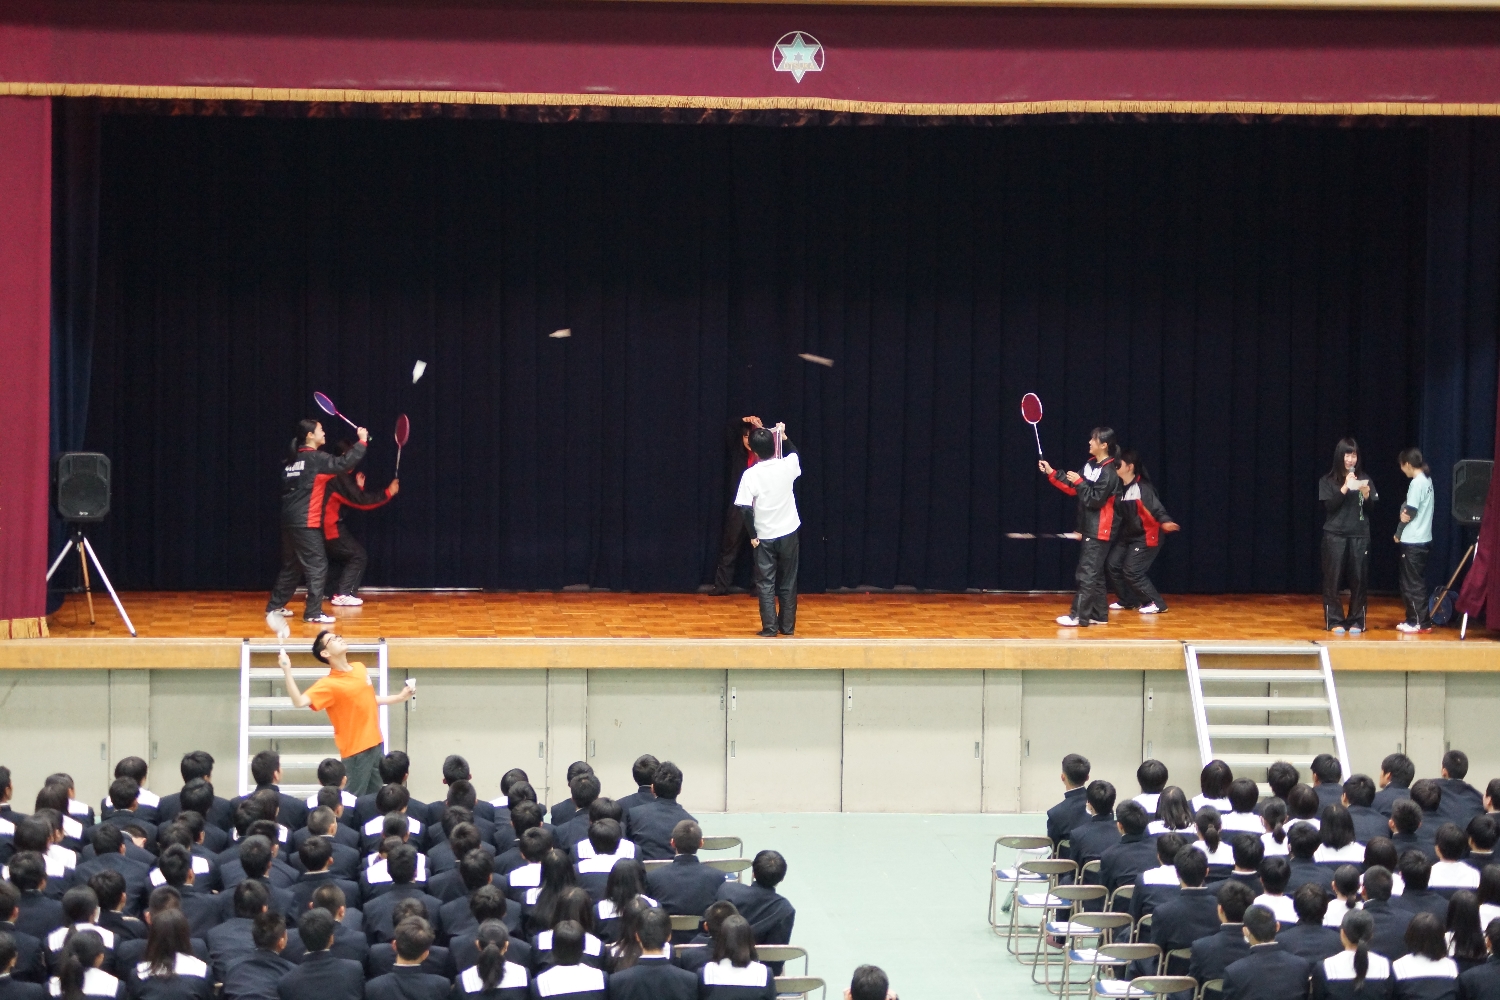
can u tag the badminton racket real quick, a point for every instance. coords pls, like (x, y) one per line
(276, 622)
(1071, 536)
(326, 405)
(403, 431)
(1031, 412)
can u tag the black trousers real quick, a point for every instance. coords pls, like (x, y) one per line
(776, 577)
(1129, 562)
(1090, 603)
(347, 550)
(1345, 558)
(302, 554)
(1414, 583)
(729, 546)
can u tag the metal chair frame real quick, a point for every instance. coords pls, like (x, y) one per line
(1101, 924)
(1065, 928)
(1050, 870)
(1112, 955)
(1033, 849)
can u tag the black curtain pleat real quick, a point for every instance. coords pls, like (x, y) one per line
(1232, 297)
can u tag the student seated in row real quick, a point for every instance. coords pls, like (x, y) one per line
(686, 886)
(1099, 832)
(1152, 778)
(1132, 854)
(1216, 951)
(1154, 886)
(733, 973)
(1173, 815)
(1275, 872)
(1072, 811)
(650, 975)
(410, 978)
(1213, 782)
(1242, 817)
(1327, 781)
(568, 975)
(1450, 873)
(320, 974)
(1359, 799)
(493, 975)
(1210, 829)
(1269, 972)
(1355, 972)
(1308, 937)
(1390, 920)
(1192, 914)
(384, 957)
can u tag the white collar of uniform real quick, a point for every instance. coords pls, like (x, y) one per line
(148, 799)
(598, 864)
(531, 897)
(1165, 875)
(1282, 906)
(186, 965)
(7, 828)
(348, 798)
(1156, 828)
(59, 861)
(526, 876)
(569, 979)
(379, 871)
(200, 867)
(1148, 800)
(606, 911)
(1453, 875)
(1340, 967)
(1422, 967)
(1352, 853)
(57, 937)
(1241, 823)
(1334, 917)
(625, 850)
(72, 827)
(96, 983)
(513, 978)
(722, 973)
(1223, 856)
(374, 827)
(1273, 849)
(77, 808)
(1222, 805)
(1488, 912)
(591, 944)
(282, 833)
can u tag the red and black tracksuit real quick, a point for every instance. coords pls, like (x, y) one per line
(341, 546)
(1139, 516)
(304, 491)
(1096, 491)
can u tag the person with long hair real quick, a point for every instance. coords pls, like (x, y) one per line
(1464, 932)
(734, 972)
(627, 882)
(541, 902)
(1425, 972)
(626, 950)
(79, 972)
(170, 970)
(493, 975)
(1173, 815)
(1273, 817)
(1356, 973)
(1414, 537)
(573, 905)
(1210, 831)
(305, 479)
(1346, 492)
(1096, 488)
(1138, 538)
(1339, 846)
(1213, 783)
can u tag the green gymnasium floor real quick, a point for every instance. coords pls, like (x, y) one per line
(905, 892)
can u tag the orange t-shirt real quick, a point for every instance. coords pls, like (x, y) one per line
(349, 701)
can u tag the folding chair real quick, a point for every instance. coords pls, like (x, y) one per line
(1027, 849)
(1064, 928)
(1100, 926)
(653, 865)
(1150, 986)
(799, 986)
(769, 953)
(1142, 929)
(1118, 955)
(1123, 894)
(684, 949)
(686, 922)
(730, 866)
(1186, 954)
(1214, 986)
(1047, 870)
(722, 844)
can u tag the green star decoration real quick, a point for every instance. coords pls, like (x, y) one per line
(798, 57)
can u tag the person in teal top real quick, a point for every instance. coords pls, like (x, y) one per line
(1414, 535)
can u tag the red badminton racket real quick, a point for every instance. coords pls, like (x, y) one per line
(403, 431)
(1031, 412)
(326, 405)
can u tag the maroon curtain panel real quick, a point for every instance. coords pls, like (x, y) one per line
(1481, 588)
(25, 295)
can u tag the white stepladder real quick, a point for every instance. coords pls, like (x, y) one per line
(271, 705)
(1324, 704)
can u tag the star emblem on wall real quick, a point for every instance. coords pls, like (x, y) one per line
(797, 53)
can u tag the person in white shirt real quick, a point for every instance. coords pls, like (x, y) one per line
(770, 507)
(1414, 536)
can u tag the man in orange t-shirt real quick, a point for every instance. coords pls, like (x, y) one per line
(346, 695)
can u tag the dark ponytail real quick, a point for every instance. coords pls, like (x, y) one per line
(1359, 927)
(1275, 814)
(304, 428)
(81, 950)
(492, 940)
(1209, 827)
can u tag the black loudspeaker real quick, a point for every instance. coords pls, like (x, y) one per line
(1471, 487)
(82, 486)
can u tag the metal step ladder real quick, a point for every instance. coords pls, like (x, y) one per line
(1250, 742)
(259, 687)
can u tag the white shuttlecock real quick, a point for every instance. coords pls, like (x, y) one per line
(560, 334)
(417, 370)
(817, 359)
(1019, 534)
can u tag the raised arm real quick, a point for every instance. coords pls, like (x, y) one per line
(299, 700)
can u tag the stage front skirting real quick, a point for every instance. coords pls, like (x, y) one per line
(1231, 296)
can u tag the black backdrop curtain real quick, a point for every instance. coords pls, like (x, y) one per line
(1232, 297)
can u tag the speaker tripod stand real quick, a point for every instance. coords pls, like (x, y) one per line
(80, 542)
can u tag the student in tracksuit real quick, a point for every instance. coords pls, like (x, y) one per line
(1095, 487)
(1345, 492)
(1414, 536)
(348, 490)
(1142, 519)
(304, 486)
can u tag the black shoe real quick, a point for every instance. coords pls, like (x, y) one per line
(789, 631)
(717, 591)
(769, 633)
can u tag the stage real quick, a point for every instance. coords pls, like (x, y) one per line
(834, 631)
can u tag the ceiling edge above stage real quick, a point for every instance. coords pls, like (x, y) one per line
(477, 97)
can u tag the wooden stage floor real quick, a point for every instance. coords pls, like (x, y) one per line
(467, 614)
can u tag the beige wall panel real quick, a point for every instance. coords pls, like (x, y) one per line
(55, 720)
(494, 719)
(1167, 734)
(677, 715)
(1373, 707)
(1426, 725)
(194, 710)
(786, 740)
(1093, 712)
(567, 732)
(1002, 741)
(910, 740)
(1473, 704)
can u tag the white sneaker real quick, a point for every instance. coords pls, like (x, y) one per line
(1355, 630)
(321, 620)
(1407, 627)
(1116, 606)
(1150, 609)
(1069, 621)
(283, 612)
(346, 601)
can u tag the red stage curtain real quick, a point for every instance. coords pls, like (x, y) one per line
(1481, 588)
(25, 293)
